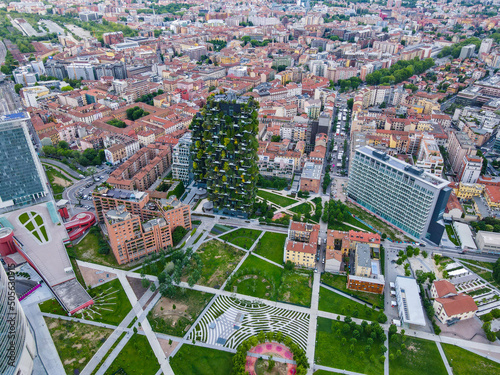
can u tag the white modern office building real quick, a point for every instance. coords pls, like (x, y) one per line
(408, 299)
(181, 160)
(401, 194)
(17, 346)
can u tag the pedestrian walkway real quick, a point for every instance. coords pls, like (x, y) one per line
(443, 357)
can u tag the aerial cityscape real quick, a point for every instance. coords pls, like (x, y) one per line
(283, 187)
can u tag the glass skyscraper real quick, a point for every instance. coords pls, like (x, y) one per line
(403, 195)
(22, 180)
(17, 346)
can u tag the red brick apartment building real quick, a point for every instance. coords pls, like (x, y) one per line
(136, 225)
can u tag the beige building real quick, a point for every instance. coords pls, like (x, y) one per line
(450, 306)
(302, 244)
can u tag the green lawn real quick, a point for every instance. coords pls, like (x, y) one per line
(111, 304)
(340, 226)
(242, 237)
(57, 188)
(351, 220)
(271, 246)
(339, 282)
(276, 199)
(188, 305)
(451, 235)
(76, 343)
(464, 362)
(38, 220)
(488, 265)
(419, 357)
(323, 372)
(23, 218)
(335, 303)
(197, 360)
(87, 250)
(249, 279)
(51, 306)
(296, 287)
(218, 260)
(332, 353)
(302, 208)
(156, 267)
(375, 222)
(219, 229)
(136, 357)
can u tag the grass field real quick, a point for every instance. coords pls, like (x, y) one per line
(335, 303)
(136, 357)
(419, 357)
(164, 318)
(332, 353)
(56, 179)
(340, 226)
(296, 287)
(377, 223)
(271, 246)
(351, 220)
(76, 343)
(451, 235)
(302, 208)
(87, 250)
(488, 265)
(111, 304)
(276, 199)
(196, 360)
(464, 362)
(219, 260)
(256, 278)
(219, 229)
(339, 282)
(242, 237)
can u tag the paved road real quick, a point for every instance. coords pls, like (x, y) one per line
(61, 165)
(3, 52)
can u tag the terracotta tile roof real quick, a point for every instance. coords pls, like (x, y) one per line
(444, 287)
(364, 237)
(458, 304)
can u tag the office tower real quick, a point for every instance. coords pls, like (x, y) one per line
(27, 208)
(224, 152)
(182, 163)
(83, 71)
(22, 179)
(485, 46)
(403, 195)
(17, 346)
(467, 51)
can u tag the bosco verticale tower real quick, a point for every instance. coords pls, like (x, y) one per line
(224, 152)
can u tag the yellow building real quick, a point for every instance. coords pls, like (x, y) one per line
(467, 191)
(302, 244)
(492, 197)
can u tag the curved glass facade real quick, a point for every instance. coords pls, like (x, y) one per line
(13, 326)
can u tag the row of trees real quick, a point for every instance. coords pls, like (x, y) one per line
(455, 49)
(240, 358)
(334, 212)
(488, 224)
(182, 262)
(399, 72)
(277, 183)
(350, 332)
(85, 158)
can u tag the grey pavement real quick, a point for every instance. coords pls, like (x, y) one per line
(313, 320)
(443, 357)
(47, 351)
(335, 370)
(62, 166)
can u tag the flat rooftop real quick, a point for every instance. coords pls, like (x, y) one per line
(311, 171)
(401, 166)
(409, 305)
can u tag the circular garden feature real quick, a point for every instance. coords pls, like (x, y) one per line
(257, 366)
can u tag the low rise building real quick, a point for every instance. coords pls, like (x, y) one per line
(488, 242)
(492, 197)
(310, 180)
(450, 306)
(408, 299)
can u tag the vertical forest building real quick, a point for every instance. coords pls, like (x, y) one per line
(224, 152)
